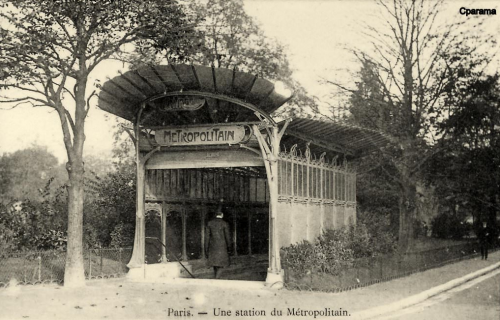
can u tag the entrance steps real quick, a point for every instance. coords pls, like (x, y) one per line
(248, 267)
(253, 268)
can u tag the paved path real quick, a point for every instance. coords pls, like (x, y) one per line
(121, 299)
(419, 287)
(476, 299)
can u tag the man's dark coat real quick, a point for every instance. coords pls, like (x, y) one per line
(484, 235)
(218, 243)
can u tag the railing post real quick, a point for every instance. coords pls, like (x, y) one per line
(100, 251)
(24, 269)
(39, 268)
(381, 264)
(120, 258)
(51, 272)
(90, 263)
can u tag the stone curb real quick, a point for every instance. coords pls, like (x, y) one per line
(420, 297)
(234, 284)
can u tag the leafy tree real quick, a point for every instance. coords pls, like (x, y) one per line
(376, 194)
(24, 174)
(50, 48)
(97, 166)
(34, 176)
(234, 40)
(38, 225)
(113, 206)
(468, 174)
(368, 102)
(407, 73)
(229, 38)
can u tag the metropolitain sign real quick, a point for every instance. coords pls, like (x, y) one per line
(203, 135)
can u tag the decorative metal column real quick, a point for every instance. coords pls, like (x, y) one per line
(138, 253)
(270, 149)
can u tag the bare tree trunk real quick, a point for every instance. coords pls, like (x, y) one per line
(74, 272)
(74, 275)
(407, 214)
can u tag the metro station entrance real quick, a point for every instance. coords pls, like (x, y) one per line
(204, 135)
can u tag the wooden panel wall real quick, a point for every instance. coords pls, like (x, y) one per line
(200, 184)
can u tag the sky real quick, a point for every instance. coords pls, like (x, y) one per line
(314, 32)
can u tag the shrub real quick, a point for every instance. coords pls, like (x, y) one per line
(336, 249)
(381, 233)
(322, 256)
(363, 242)
(122, 235)
(7, 239)
(51, 240)
(333, 256)
(447, 226)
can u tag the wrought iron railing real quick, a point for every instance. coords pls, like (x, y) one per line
(368, 271)
(34, 267)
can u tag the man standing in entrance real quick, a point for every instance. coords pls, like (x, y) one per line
(218, 243)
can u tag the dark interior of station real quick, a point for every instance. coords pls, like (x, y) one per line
(190, 198)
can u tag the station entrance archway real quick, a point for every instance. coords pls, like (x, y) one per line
(186, 199)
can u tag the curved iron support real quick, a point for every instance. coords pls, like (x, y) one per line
(213, 96)
(270, 149)
(138, 254)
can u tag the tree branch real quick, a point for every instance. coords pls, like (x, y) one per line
(88, 102)
(70, 119)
